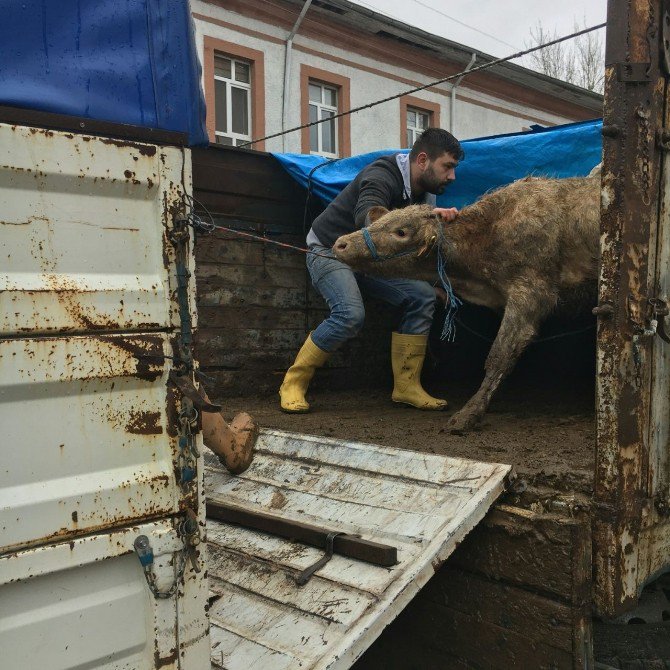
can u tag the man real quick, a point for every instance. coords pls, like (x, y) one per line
(392, 182)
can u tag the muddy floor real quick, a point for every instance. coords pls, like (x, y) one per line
(547, 434)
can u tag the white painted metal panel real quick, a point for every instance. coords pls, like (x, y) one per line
(86, 604)
(86, 418)
(82, 225)
(422, 504)
(654, 558)
(88, 321)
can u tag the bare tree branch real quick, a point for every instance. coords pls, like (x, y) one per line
(581, 63)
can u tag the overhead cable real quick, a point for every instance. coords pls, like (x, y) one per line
(465, 25)
(433, 9)
(483, 66)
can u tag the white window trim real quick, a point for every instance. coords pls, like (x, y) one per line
(229, 98)
(416, 130)
(320, 106)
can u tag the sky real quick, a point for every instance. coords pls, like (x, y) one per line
(506, 22)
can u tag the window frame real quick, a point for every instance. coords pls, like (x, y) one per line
(235, 137)
(416, 130)
(343, 87)
(411, 103)
(215, 47)
(322, 106)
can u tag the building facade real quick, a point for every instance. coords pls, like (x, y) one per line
(267, 69)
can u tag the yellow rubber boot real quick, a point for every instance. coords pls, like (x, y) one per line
(407, 355)
(299, 375)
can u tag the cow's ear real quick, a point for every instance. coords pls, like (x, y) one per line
(375, 213)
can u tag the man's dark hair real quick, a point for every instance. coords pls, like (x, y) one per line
(435, 142)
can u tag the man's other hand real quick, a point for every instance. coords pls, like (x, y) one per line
(446, 213)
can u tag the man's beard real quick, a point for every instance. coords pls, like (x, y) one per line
(431, 184)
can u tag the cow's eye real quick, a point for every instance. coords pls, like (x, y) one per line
(400, 232)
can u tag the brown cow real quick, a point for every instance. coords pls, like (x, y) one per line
(526, 250)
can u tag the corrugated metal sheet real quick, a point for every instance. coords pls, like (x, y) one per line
(84, 604)
(420, 503)
(86, 416)
(88, 325)
(82, 224)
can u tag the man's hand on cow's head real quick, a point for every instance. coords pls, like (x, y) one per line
(447, 214)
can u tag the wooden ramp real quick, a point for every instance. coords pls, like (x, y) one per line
(422, 504)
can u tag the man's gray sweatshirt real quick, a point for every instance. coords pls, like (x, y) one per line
(385, 182)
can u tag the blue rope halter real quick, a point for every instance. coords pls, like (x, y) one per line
(373, 249)
(449, 327)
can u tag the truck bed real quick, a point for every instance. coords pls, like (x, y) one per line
(546, 435)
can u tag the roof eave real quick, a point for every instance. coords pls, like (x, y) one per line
(460, 53)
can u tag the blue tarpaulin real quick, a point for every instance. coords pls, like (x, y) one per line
(562, 151)
(131, 61)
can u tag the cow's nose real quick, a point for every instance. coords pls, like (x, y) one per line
(341, 245)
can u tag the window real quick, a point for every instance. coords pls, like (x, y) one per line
(324, 94)
(232, 100)
(323, 105)
(234, 83)
(417, 121)
(415, 116)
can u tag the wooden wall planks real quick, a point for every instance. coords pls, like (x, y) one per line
(256, 304)
(516, 593)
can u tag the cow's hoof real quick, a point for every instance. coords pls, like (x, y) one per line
(460, 424)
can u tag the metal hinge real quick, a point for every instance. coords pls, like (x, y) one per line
(659, 312)
(187, 388)
(655, 322)
(663, 139)
(633, 73)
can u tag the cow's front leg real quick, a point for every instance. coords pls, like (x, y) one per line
(519, 326)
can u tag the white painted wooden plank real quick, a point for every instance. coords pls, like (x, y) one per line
(295, 556)
(401, 592)
(274, 625)
(421, 504)
(230, 650)
(373, 458)
(340, 483)
(320, 597)
(358, 487)
(345, 516)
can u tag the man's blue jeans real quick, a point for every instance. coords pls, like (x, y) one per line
(341, 288)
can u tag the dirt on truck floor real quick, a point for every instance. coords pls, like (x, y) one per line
(547, 434)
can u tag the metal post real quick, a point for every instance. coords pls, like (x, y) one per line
(628, 527)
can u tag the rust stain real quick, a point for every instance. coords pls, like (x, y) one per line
(146, 349)
(111, 522)
(172, 408)
(160, 661)
(144, 423)
(144, 149)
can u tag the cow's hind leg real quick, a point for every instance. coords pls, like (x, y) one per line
(519, 326)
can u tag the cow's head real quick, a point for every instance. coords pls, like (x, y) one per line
(392, 243)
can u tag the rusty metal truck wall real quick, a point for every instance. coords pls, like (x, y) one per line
(88, 320)
(632, 524)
